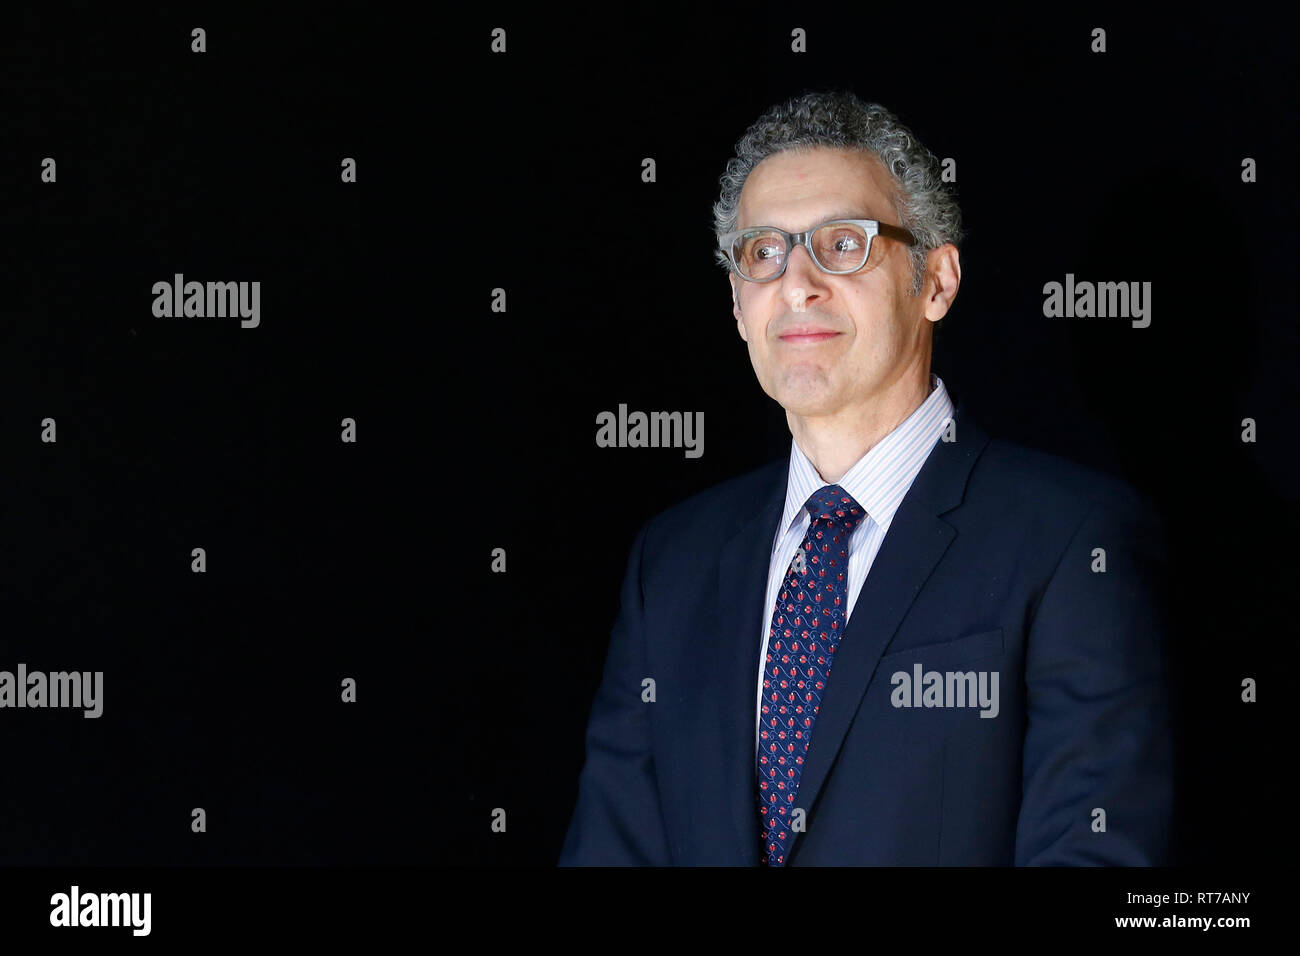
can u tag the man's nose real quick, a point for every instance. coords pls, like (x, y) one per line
(802, 280)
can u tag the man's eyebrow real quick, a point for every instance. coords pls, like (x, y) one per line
(834, 214)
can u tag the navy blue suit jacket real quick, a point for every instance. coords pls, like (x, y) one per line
(988, 566)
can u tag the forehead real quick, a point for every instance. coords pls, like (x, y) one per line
(797, 189)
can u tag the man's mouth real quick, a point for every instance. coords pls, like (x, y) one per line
(807, 335)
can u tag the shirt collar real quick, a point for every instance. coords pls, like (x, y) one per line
(880, 478)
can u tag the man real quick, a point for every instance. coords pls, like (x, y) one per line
(992, 614)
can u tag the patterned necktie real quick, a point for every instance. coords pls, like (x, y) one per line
(807, 622)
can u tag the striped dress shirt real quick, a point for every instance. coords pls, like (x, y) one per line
(878, 481)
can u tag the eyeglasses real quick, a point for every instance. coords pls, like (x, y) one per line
(837, 247)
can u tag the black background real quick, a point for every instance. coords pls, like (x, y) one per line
(476, 429)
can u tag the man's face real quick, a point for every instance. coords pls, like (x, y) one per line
(868, 332)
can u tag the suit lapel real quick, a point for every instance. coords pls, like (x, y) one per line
(742, 587)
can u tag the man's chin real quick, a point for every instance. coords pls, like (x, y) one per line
(803, 391)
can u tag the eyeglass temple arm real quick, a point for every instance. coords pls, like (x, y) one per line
(896, 232)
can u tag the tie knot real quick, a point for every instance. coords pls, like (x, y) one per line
(832, 503)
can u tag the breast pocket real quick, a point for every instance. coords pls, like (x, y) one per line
(968, 647)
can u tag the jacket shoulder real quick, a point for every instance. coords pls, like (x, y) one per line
(723, 507)
(1047, 481)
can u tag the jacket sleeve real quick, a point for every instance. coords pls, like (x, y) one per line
(618, 820)
(1099, 727)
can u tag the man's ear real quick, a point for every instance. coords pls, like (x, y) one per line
(943, 278)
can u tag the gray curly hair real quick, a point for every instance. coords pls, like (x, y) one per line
(924, 203)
